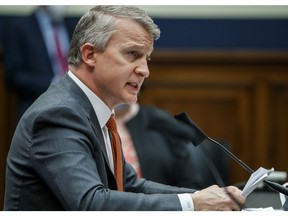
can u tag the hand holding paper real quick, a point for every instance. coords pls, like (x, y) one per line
(255, 179)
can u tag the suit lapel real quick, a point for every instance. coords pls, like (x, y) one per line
(67, 83)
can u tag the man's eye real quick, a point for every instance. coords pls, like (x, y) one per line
(133, 53)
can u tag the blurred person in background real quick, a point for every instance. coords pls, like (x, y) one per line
(142, 145)
(35, 52)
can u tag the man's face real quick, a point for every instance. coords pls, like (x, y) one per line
(121, 69)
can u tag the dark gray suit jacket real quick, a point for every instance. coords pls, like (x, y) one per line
(181, 163)
(57, 161)
(174, 165)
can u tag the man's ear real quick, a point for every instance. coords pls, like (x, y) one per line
(89, 54)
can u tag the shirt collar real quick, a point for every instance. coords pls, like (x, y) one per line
(102, 111)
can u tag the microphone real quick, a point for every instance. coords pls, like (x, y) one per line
(201, 136)
(173, 128)
(162, 121)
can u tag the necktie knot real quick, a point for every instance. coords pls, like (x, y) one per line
(111, 124)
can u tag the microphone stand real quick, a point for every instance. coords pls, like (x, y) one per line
(275, 186)
(183, 117)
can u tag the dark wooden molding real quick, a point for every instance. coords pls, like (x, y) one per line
(219, 56)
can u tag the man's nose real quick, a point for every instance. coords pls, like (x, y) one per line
(142, 69)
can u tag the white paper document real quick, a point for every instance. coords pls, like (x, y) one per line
(255, 179)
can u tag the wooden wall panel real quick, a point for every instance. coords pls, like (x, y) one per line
(278, 141)
(221, 113)
(239, 98)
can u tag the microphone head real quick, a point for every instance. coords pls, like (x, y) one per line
(196, 134)
(181, 127)
(165, 123)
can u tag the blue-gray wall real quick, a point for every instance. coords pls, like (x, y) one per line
(211, 34)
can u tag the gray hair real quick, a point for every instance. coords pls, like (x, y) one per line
(98, 24)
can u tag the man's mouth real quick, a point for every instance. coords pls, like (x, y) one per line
(134, 85)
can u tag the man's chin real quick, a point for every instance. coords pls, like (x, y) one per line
(132, 100)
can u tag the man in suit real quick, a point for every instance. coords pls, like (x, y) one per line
(61, 156)
(30, 59)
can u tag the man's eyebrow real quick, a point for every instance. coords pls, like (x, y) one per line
(140, 46)
(136, 45)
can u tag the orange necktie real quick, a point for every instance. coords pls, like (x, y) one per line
(116, 150)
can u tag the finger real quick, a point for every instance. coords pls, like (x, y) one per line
(237, 200)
